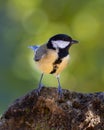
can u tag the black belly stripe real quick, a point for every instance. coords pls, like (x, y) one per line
(53, 71)
(55, 67)
(58, 61)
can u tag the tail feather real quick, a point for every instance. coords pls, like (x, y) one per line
(34, 48)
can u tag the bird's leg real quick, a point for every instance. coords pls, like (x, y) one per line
(40, 84)
(59, 86)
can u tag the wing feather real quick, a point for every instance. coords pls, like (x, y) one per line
(41, 51)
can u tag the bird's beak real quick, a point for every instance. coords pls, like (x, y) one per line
(74, 41)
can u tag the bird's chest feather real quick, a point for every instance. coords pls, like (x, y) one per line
(61, 65)
(50, 63)
(45, 64)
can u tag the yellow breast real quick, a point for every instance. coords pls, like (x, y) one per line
(62, 65)
(45, 64)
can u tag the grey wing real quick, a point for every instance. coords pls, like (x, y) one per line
(41, 51)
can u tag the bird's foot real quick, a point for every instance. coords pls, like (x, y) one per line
(60, 92)
(39, 89)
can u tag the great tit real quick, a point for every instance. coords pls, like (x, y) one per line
(53, 57)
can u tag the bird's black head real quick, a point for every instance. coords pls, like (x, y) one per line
(60, 41)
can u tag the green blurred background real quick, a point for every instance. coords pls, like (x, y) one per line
(30, 22)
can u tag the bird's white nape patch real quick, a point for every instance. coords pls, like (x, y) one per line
(60, 44)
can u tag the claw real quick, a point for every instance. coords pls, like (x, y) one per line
(60, 92)
(39, 89)
(40, 85)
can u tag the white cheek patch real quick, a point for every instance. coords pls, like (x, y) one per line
(60, 44)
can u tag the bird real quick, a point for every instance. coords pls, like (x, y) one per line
(53, 57)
